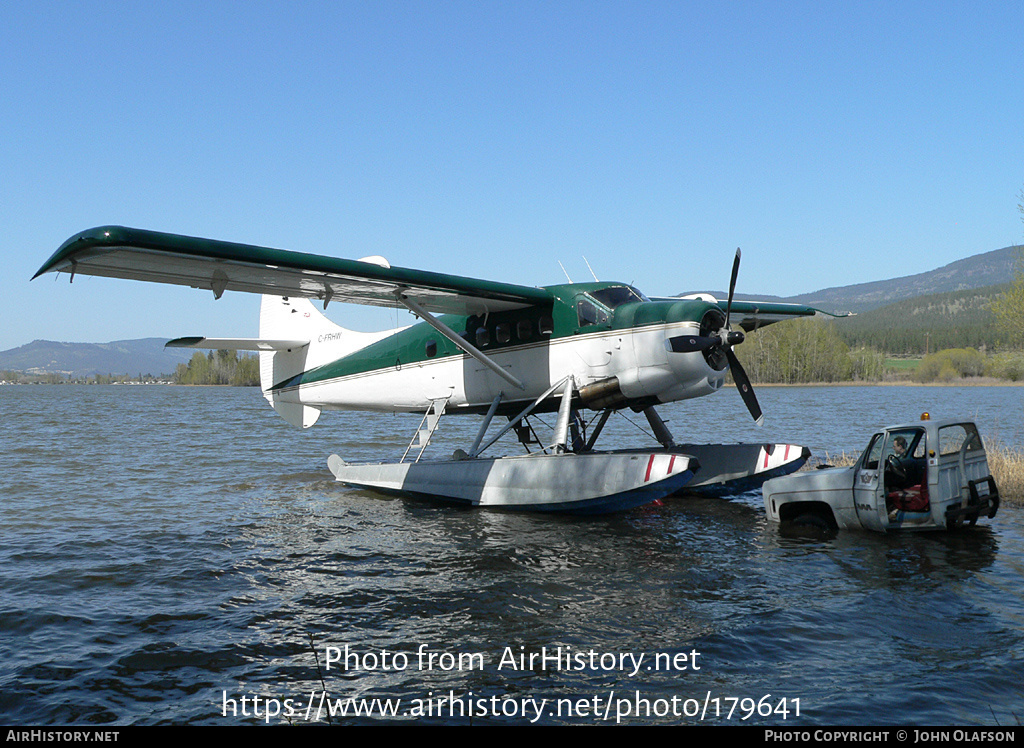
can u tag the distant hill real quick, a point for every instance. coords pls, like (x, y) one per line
(980, 271)
(131, 357)
(955, 319)
(949, 304)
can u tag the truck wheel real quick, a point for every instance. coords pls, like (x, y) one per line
(815, 521)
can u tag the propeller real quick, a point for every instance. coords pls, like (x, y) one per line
(713, 343)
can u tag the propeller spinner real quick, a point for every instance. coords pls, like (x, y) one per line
(715, 343)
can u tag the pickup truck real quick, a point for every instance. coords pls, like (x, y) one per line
(924, 475)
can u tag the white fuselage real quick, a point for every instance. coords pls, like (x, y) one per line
(637, 358)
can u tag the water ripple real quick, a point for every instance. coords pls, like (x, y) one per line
(164, 545)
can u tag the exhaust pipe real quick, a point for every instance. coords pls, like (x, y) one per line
(603, 394)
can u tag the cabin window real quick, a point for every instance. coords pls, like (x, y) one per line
(502, 332)
(545, 326)
(482, 337)
(431, 348)
(524, 329)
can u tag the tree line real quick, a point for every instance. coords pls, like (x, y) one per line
(219, 367)
(960, 363)
(22, 377)
(806, 350)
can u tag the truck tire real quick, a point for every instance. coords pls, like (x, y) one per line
(811, 520)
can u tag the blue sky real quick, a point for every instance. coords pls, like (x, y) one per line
(835, 143)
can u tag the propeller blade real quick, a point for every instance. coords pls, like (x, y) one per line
(691, 343)
(732, 286)
(743, 385)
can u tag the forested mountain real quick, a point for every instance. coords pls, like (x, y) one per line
(958, 319)
(979, 271)
(916, 314)
(976, 272)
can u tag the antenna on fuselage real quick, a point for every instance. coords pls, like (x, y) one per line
(563, 270)
(591, 269)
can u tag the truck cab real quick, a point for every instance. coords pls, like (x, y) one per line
(926, 475)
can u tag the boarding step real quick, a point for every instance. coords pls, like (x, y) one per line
(428, 425)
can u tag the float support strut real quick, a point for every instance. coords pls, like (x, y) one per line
(661, 432)
(485, 424)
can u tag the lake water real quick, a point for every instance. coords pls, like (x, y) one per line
(177, 555)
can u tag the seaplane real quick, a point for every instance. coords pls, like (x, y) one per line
(583, 350)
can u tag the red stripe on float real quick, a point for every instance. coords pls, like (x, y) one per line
(650, 464)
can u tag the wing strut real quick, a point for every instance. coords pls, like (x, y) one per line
(453, 336)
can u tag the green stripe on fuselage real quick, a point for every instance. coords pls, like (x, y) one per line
(544, 324)
(408, 346)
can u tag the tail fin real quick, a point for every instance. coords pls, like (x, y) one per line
(293, 318)
(294, 337)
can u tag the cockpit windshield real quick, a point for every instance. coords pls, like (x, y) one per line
(616, 296)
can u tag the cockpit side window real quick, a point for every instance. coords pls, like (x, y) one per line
(590, 313)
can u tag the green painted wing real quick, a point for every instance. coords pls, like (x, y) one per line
(751, 315)
(138, 254)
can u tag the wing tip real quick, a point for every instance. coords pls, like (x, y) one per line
(94, 237)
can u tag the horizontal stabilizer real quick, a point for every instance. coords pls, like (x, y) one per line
(237, 344)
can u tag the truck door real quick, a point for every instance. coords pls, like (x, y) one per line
(869, 488)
